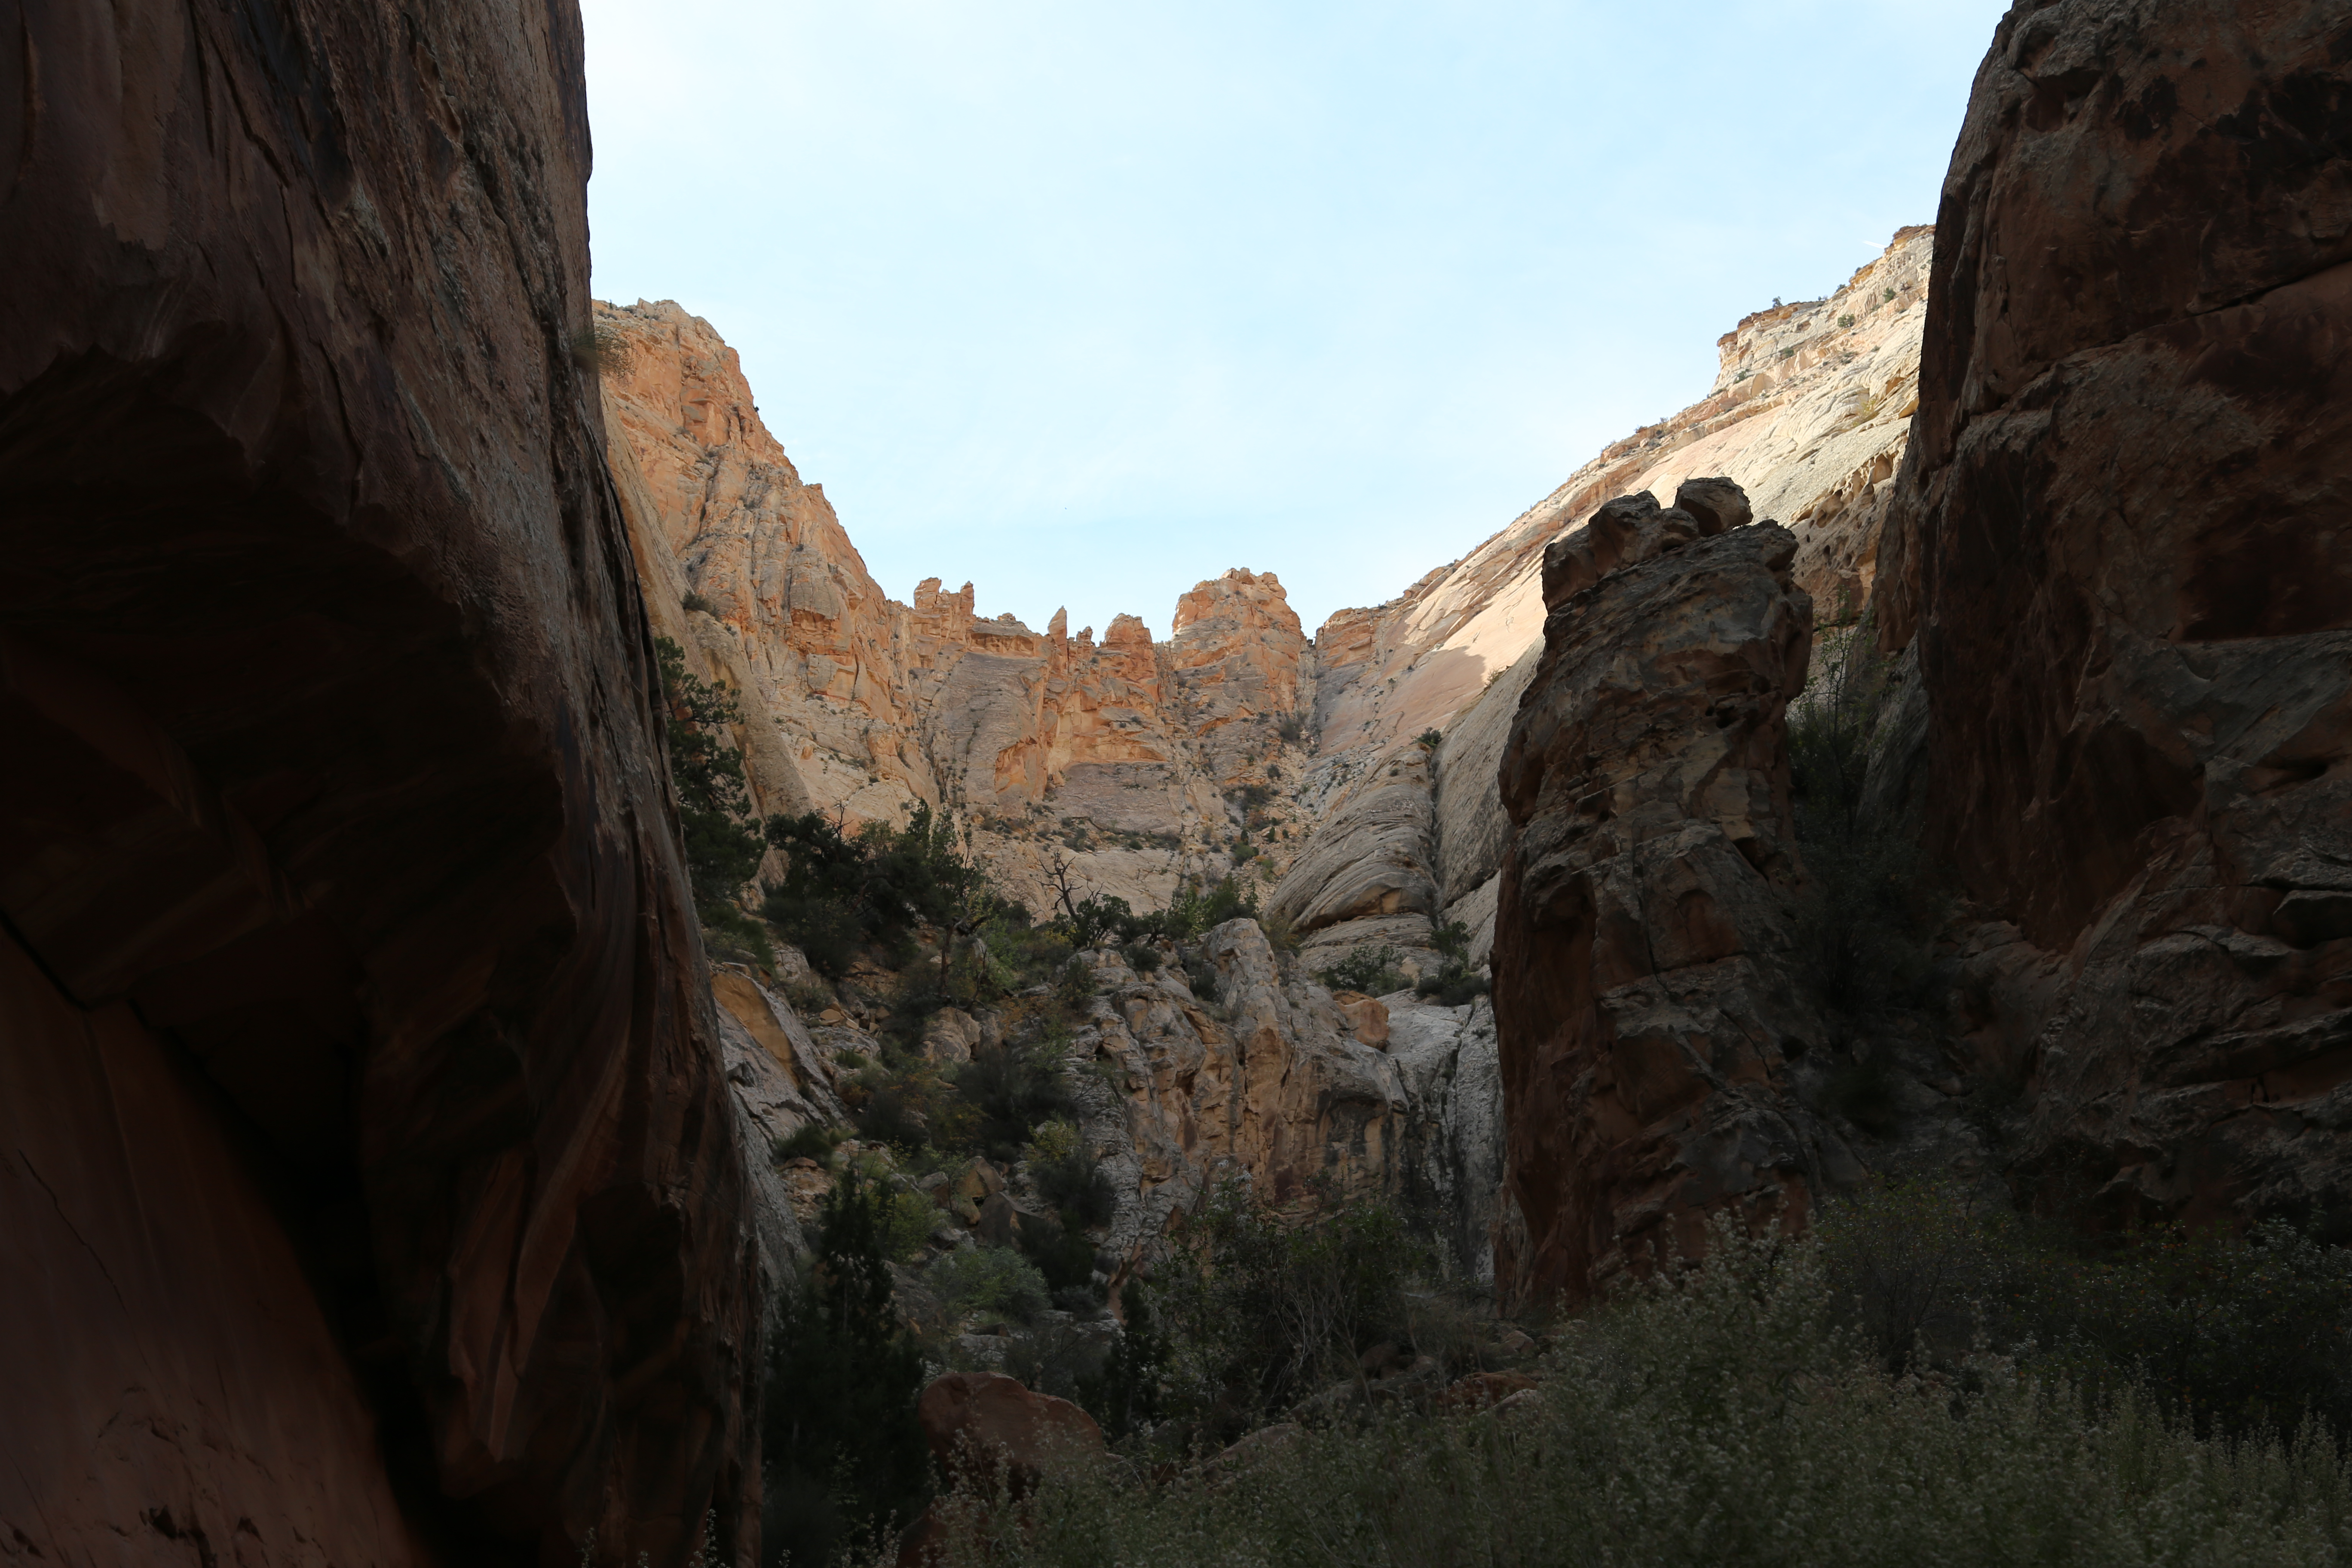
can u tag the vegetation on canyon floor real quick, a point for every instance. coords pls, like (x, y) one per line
(1739, 1412)
(1927, 1378)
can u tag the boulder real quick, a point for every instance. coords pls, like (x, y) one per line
(985, 1427)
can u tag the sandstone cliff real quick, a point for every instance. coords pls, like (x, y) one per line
(1121, 754)
(2117, 555)
(1809, 413)
(367, 1189)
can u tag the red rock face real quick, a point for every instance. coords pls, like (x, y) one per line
(365, 1118)
(1641, 997)
(2120, 541)
(987, 1419)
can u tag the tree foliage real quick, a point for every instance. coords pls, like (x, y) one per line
(845, 1458)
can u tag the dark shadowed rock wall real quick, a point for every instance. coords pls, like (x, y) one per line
(1643, 996)
(368, 1190)
(2122, 542)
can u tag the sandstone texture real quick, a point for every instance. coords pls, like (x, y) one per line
(1644, 1002)
(368, 1191)
(1807, 416)
(2118, 560)
(1122, 757)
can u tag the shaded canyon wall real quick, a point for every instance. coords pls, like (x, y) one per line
(368, 1191)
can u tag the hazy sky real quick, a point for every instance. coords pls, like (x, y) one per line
(1085, 302)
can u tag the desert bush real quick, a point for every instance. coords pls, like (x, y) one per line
(1012, 1090)
(1453, 984)
(1262, 1309)
(810, 1141)
(1869, 914)
(1292, 727)
(1429, 740)
(1714, 1416)
(1141, 957)
(1073, 1183)
(2234, 1333)
(1370, 970)
(984, 1279)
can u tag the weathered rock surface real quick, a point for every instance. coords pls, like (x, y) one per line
(1641, 990)
(2118, 552)
(1266, 1079)
(1117, 756)
(368, 1190)
(1809, 413)
(978, 1421)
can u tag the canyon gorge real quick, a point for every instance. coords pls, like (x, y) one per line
(394, 1169)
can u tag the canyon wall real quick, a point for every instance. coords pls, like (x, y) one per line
(368, 1190)
(2118, 554)
(1809, 412)
(1233, 745)
(1123, 755)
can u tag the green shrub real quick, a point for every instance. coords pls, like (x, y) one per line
(1888, 295)
(1124, 1394)
(809, 1140)
(1012, 1090)
(1708, 1418)
(908, 1220)
(1292, 727)
(840, 894)
(1141, 957)
(2236, 1333)
(1370, 970)
(696, 602)
(1452, 985)
(1868, 916)
(1075, 1185)
(1262, 1309)
(1846, 319)
(1064, 1257)
(1429, 740)
(982, 1280)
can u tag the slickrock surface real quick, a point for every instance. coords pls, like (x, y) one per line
(1809, 413)
(2119, 552)
(368, 1191)
(1119, 754)
(1641, 994)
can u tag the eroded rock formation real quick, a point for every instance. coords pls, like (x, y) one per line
(1642, 991)
(2118, 551)
(1809, 413)
(368, 1191)
(1119, 754)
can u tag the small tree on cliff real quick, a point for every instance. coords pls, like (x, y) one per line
(844, 1455)
(723, 845)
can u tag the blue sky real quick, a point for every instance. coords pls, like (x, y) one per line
(1086, 302)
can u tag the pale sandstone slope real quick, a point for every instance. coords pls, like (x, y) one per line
(1808, 413)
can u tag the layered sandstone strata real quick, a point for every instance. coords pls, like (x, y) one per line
(2117, 554)
(368, 1191)
(1643, 992)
